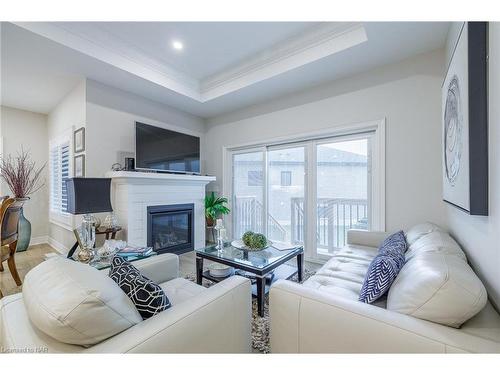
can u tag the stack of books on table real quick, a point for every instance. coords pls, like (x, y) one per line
(133, 251)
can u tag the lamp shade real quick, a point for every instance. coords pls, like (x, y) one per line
(88, 195)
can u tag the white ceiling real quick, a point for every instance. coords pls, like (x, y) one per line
(209, 47)
(223, 67)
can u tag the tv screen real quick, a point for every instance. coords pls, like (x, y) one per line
(165, 150)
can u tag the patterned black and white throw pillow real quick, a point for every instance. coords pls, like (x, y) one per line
(395, 245)
(148, 297)
(384, 268)
(379, 277)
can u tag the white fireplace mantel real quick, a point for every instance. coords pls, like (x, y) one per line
(160, 178)
(133, 192)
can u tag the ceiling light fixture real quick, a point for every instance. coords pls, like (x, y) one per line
(177, 45)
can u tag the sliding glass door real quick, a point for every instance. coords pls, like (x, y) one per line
(342, 191)
(308, 193)
(286, 190)
(248, 195)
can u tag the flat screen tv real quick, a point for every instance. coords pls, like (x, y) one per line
(165, 150)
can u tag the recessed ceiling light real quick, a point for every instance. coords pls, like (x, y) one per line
(177, 45)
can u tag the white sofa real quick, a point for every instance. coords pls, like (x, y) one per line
(201, 320)
(434, 293)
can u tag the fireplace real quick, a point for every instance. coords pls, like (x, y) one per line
(171, 228)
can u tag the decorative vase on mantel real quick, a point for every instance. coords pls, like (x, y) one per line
(24, 232)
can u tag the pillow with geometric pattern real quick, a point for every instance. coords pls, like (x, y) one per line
(394, 244)
(380, 275)
(384, 268)
(148, 297)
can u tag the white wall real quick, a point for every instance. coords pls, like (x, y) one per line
(28, 130)
(68, 115)
(480, 236)
(111, 117)
(407, 94)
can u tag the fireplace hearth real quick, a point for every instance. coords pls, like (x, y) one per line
(170, 228)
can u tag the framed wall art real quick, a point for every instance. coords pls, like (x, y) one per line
(465, 122)
(79, 140)
(79, 166)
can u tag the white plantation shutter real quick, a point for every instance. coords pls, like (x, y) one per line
(59, 171)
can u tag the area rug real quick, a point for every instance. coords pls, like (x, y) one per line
(260, 325)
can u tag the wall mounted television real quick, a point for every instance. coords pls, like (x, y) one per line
(165, 150)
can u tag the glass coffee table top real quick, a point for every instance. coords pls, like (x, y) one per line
(103, 263)
(255, 259)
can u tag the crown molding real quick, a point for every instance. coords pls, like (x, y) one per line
(318, 42)
(321, 41)
(117, 53)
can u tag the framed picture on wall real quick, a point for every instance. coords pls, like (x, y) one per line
(79, 140)
(79, 166)
(465, 122)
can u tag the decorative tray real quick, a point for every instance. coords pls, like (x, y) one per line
(239, 244)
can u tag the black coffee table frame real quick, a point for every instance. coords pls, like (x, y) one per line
(260, 273)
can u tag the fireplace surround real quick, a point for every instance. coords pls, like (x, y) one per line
(133, 192)
(171, 228)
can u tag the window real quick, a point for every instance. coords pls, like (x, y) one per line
(59, 166)
(342, 189)
(248, 195)
(255, 178)
(286, 178)
(337, 185)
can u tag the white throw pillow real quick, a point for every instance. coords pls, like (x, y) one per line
(439, 242)
(420, 230)
(438, 287)
(75, 303)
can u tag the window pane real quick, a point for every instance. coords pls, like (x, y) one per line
(255, 178)
(342, 191)
(64, 175)
(286, 195)
(248, 193)
(59, 166)
(286, 178)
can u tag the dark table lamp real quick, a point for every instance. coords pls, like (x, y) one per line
(87, 196)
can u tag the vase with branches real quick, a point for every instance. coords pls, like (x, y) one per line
(215, 207)
(23, 178)
(21, 174)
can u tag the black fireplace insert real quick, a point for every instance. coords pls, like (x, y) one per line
(171, 228)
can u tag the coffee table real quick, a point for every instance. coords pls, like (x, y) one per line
(259, 263)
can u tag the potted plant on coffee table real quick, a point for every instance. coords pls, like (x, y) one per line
(23, 179)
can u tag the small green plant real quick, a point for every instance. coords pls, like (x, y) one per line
(215, 207)
(254, 240)
(247, 237)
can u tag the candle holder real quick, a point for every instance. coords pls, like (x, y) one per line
(221, 231)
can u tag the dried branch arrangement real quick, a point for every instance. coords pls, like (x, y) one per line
(21, 175)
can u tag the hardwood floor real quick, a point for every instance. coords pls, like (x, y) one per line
(30, 258)
(25, 261)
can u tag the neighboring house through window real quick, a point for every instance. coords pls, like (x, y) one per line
(286, 178)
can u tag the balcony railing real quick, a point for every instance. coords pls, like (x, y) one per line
(334, 217)
(248, 215)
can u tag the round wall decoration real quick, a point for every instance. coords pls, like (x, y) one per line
(453, 127)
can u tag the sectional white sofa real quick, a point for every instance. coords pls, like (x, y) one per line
(65, 304)
(436, 304)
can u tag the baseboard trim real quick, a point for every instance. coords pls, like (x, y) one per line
(59, 247)
(39, 240)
